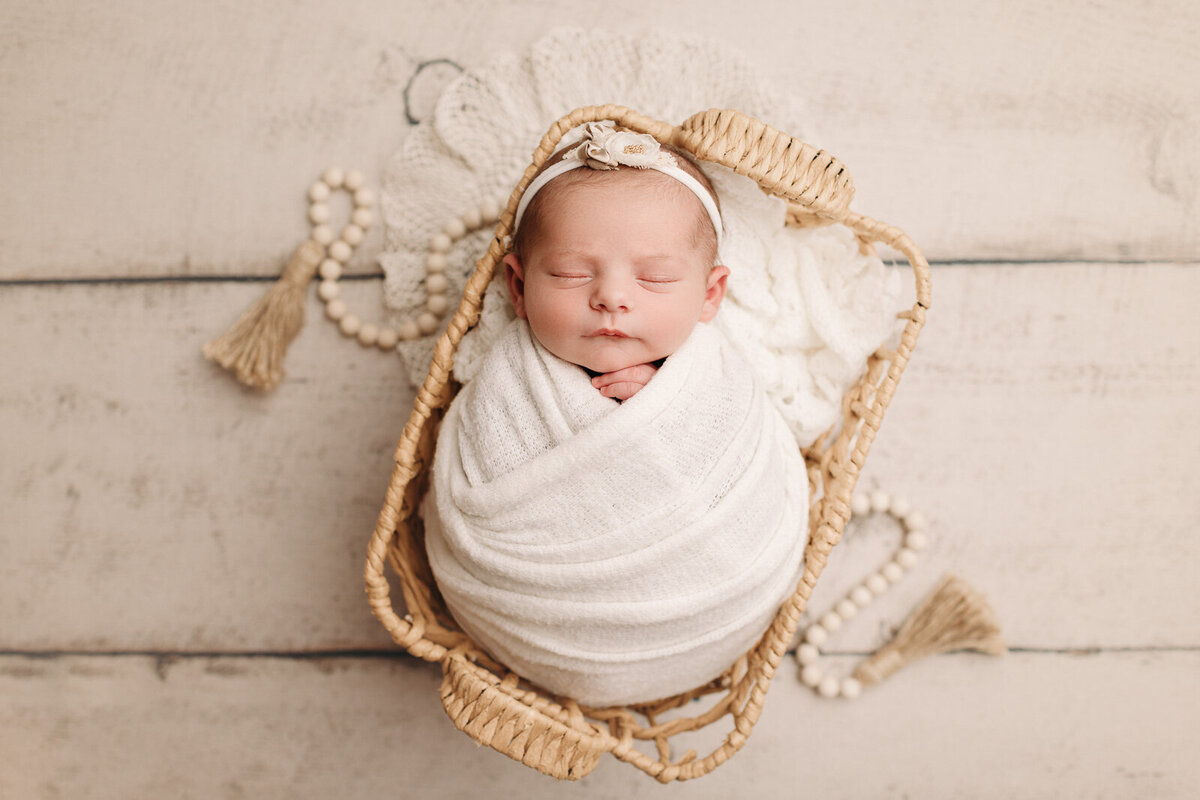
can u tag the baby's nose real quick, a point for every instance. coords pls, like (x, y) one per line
(610, 295)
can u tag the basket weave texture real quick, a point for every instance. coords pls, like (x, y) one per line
(555, 735)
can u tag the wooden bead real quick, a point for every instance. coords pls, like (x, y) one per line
(427, 323)
(892, 571)
(876, 584)
(330, 270)
(318, 192)
(472, 219)
(916, 541)
(318, 213)
(322, 235)
(916, 521)
(333, 177)
(851, 688)
(455, 229)
(437, 304)
(340, 251)
(816, 635)
(846, 609)
(368, 334)
(436, 284)
(860, 504)
(880, 501)
(831, 621)
(435, 262)
(362, 217)
(440, 243)
(352, 235)
(828, 687)
(364, 198)
(388, 338)
(350, 324)
(335, 310)
(328, 290)
(906, 557)
(811, 675)
(807, 654)
(408, 330)
(861, 596)
(353, 180)
(900, 507)
(489, 210)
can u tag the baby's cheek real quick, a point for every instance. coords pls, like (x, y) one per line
(673, 324)
(550, 317)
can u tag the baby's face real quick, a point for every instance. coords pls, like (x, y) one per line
(615, 277)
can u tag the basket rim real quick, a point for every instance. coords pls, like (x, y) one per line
(816, 186)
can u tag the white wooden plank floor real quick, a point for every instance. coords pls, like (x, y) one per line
(181, 606)
(1031, 725)
(160, 509)
(1009, 129)
(1040, 401)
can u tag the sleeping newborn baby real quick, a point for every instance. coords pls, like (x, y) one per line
(616, 510)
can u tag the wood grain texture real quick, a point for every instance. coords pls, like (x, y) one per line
(1045, 424)
(1026, 725)
(155, 503)
(155, 513)
(178, 139)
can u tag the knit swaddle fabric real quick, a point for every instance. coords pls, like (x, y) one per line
(615, 552)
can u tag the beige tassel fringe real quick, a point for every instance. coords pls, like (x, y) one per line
(954, 617)
(253, 348)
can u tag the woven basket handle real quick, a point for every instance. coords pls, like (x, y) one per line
(553, 739)
(779, 163)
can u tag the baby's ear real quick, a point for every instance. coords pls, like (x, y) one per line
(514, 275)
(714, 293)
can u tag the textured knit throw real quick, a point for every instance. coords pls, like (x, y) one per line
(615, 552)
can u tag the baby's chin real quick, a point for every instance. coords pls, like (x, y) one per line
(611, 359)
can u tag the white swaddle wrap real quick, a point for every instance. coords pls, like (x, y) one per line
(615, 552)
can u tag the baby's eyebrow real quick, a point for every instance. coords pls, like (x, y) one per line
(658, 259)
(567, 254)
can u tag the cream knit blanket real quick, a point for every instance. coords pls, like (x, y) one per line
(615, 552)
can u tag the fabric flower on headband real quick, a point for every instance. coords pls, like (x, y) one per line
(599, 145)
(605, 147)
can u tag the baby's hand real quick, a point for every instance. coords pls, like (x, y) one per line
(623, 384)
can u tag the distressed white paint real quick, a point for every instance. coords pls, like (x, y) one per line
(178, 138)
(1045, 424)
(1026, 725)
(155, 503)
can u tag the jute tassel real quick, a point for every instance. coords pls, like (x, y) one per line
(253, 348)
(954, 617)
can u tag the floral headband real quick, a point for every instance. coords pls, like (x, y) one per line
(599, 145)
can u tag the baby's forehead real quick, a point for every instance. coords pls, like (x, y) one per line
(626, 179)
(629, 182)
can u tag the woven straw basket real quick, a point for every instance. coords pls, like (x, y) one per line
(495, 706)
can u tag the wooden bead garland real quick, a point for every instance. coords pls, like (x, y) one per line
(339, 251)
(815, 635)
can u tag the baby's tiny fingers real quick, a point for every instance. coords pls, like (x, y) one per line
(621, 390)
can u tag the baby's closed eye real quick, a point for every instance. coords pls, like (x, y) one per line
(657, 282)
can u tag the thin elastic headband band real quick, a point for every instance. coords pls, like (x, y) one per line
(601, 146)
